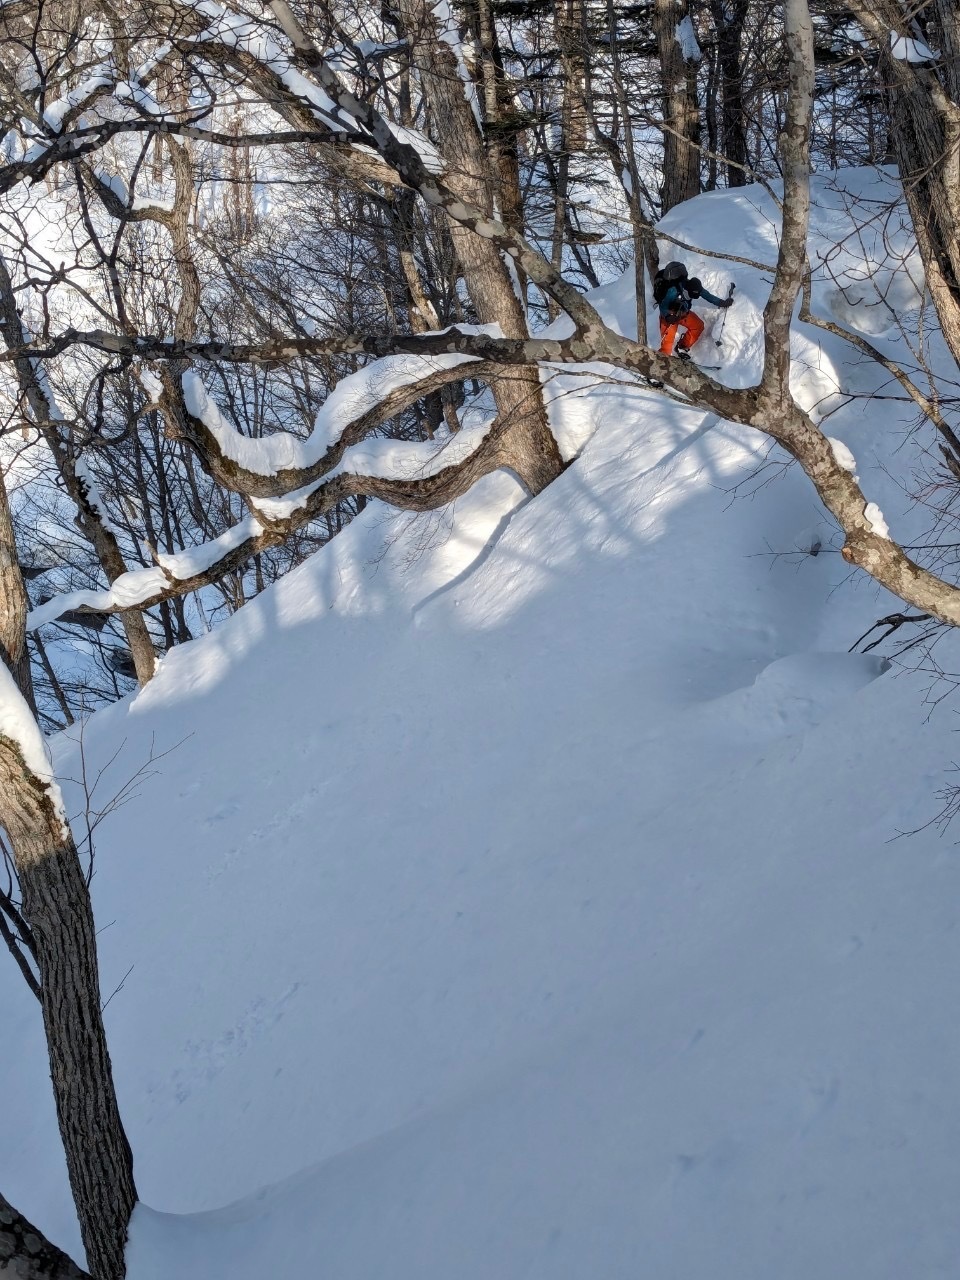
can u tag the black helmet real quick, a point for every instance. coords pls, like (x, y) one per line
(694, 287)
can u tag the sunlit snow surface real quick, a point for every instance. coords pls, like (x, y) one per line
(523, 901)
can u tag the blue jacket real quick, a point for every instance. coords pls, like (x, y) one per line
(673, 295)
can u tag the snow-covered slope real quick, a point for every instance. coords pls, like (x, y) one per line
(521, 900)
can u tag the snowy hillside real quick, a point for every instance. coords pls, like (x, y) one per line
(520, 897)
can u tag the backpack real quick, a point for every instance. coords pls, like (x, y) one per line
(674, 274)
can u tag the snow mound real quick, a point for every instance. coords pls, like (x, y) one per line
(792, 694)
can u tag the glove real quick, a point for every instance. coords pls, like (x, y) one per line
(727, 302)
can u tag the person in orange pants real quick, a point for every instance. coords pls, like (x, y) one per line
(675, 292)
(691, 323)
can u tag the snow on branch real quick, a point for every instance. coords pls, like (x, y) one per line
(389, 460)
(359, 402)
(907, 49)
(411, 475)
(120, 203)
(249, 36)
(686, 38)
(18, 726)
(101, 81)
(341, 118)
(130, 590)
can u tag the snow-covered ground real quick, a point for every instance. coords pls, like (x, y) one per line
(522, 898)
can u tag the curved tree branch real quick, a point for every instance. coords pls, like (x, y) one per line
(266, 482)
(145, 588)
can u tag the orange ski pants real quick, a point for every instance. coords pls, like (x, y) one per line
(668, 332)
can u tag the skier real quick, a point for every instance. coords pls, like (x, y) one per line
(675, 292)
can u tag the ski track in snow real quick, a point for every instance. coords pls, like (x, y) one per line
(525, 886)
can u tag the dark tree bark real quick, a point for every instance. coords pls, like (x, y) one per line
(57, 909)
(728, 19)
(56, 905)
(26, 1254)
(499, 112)
(568, 25)
(680, 106)
(13, 638)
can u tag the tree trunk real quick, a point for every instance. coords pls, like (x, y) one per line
(644, 243)
(728, 20)
(945, 36)
(26, 1254)
(421, 311)
(518, 396)
(501, 127)
(681, 110)
(56, 906)
(925, 131)
(13, 637)
(90, 521)
(568, 25)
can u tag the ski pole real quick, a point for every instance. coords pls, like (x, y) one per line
(723, 318)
